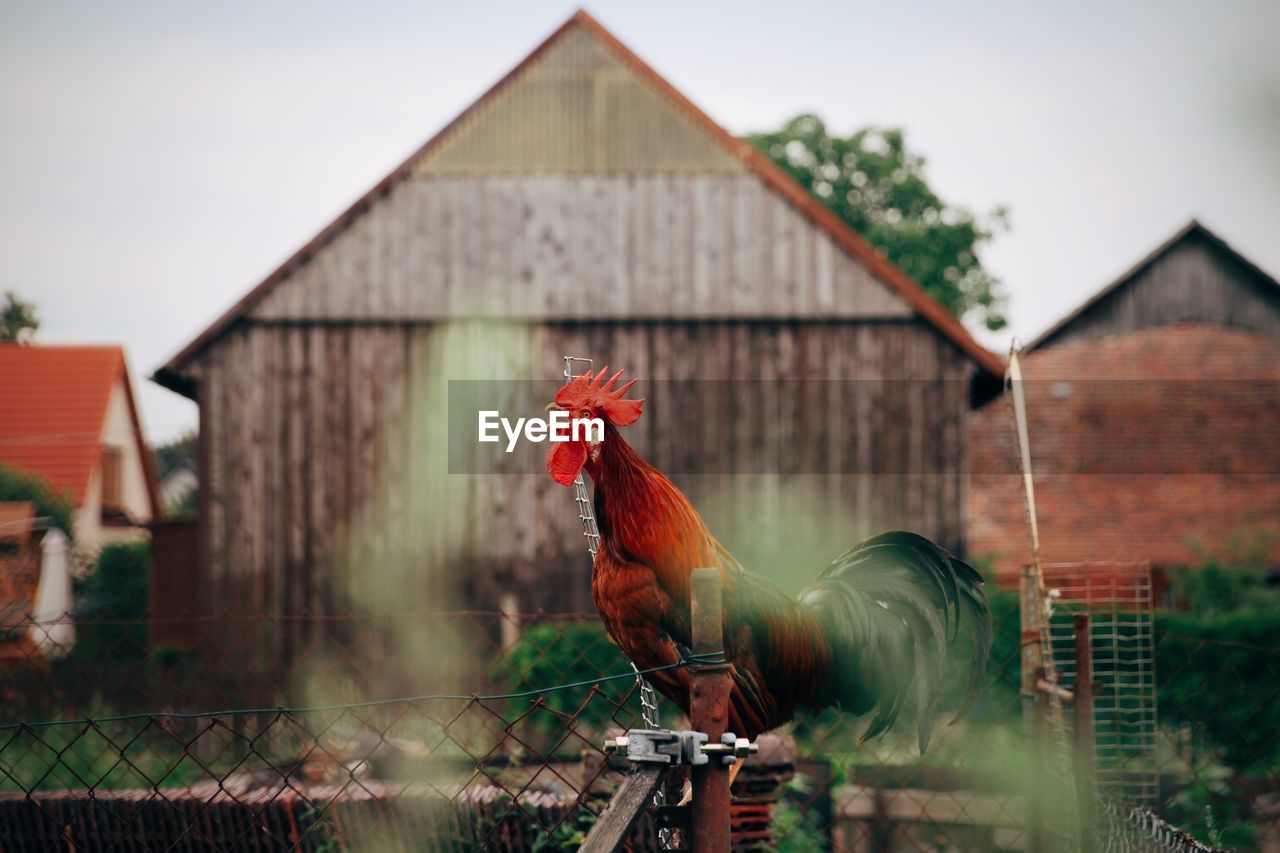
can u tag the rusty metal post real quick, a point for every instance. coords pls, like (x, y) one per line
(1082, 709)
(709, 713)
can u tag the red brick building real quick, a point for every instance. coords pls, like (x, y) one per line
(1154, 414)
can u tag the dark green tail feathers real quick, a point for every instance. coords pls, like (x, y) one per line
(892, 609)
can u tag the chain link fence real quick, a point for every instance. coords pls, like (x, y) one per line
(481, 730)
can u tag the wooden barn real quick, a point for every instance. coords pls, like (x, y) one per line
(1154, 414)
(1192, 277)
(582, 206)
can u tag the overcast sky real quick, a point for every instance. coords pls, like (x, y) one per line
(158, 160)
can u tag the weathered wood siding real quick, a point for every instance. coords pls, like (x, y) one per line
(326, 471)
(582, 246)
(581, 207)
(1195, 281)
(579, 108)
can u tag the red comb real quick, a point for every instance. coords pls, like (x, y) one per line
(593, 391)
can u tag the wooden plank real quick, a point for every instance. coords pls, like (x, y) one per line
(241, 457)
(395, 522)
(255, 385)
(213, 440)
(747, 246)
(272, 525)
(653, 245)
(426, 590)
(629, 802)
(294, 504)
(315, 455)
(331, 473)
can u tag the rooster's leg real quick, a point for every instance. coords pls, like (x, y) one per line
(688, 786)
(733, 771)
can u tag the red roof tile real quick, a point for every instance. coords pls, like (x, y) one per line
(54, 401)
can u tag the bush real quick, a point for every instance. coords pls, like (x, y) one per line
(18, 485)
(113, 603)
(555, 653)
(1218, 677)
(1001, 700)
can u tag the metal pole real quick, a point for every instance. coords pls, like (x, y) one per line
(1082, 709)
(709, 713)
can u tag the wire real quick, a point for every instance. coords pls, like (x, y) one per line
(687, 660)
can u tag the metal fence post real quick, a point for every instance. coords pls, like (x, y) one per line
(1082, 709)
(709, 713)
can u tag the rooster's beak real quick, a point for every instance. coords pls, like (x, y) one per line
(551, 407)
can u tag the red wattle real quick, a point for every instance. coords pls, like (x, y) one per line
(565, 459)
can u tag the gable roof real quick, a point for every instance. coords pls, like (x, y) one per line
(55, 405)
(1193, 228)
(172, 374)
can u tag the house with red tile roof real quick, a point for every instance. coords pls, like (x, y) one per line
(67, 415)
(1154, 421)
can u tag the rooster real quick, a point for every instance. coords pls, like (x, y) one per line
(877, 622)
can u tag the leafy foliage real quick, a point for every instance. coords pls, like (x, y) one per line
(56, 758)
(1001, 699)
(171, 455)
(872, 182)
(180, 451)
(569, 834)
(1211, 810)
(16, 485)
(114, 600)
(1223, 644)
(1231, 578)
(797, 829)
(554, 653)
(1220, 678)
(186, 506)
(18, 322)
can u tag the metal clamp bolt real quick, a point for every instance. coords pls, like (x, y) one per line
(661, 746)
(730, 748)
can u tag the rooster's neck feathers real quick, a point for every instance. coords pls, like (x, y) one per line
(642, 516)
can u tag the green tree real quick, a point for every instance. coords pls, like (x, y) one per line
(18, 321)
(112, 604)
(871, 181)
(179, 452)
(16, 485)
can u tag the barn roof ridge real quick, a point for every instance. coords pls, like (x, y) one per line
(1193, 227)
(171, 374)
